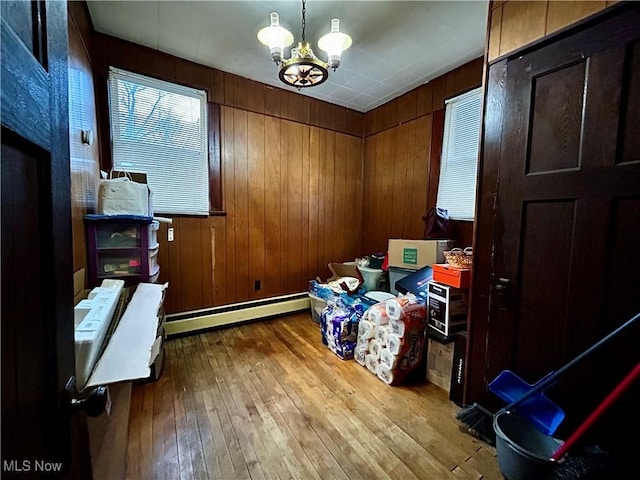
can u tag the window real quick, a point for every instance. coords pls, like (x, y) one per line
(160, 129)
(457, 187)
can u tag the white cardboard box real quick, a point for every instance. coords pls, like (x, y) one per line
(135, 343)
(447, 308)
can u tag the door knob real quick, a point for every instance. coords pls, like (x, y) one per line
(503, 293)
(93, 401)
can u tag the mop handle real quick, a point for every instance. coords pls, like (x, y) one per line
(591, 419)
(549, 379)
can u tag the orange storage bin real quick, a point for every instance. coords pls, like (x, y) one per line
(452, 276)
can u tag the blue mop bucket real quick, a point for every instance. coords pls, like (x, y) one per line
(542, 412)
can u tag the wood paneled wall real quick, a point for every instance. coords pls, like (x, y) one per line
(514, 24)
(298, 191)
(293, 197)
(402, 160)
(82, 116)
(292, 186)
(292, 193)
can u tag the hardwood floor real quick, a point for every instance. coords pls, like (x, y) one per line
(268, 400)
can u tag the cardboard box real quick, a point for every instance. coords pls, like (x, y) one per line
(452, 276)
(135, 345)
(447, 308)
(439, 363)
(340, 270)
(457, 372)
(416, 254)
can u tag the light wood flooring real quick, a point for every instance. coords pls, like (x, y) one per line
(268, 400)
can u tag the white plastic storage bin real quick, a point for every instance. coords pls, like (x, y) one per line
(154, 226)
(154, 278)
(153, 260)
(373, 278)
(317, 305)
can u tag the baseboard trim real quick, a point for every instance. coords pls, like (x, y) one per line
(192, 322)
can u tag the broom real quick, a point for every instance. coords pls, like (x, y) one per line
(592, 461)
(597, 413)
(478, 421)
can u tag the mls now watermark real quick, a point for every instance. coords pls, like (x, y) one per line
(18, 466)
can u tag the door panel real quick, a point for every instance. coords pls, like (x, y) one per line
(622, 287)
(542, 244)
(19, 15)
(560, 182)
(631, 105)
(26, 363)
(557, 111)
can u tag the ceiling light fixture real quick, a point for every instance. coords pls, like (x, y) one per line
(303, 69)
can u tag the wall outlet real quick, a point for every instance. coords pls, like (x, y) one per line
(256, 285)
(170, 234)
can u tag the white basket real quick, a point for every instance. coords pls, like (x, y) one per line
(317, 305)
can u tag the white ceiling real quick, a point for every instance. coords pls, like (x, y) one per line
(397, 45)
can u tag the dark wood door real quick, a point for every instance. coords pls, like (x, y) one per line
(38, 433)
(559, 221)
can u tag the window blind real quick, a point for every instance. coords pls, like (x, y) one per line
(160, 129)
(459, 162)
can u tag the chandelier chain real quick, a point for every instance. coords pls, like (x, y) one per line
(304, 23)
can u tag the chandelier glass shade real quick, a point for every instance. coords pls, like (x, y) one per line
(303, 69)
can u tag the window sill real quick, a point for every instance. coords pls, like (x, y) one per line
(216, 213)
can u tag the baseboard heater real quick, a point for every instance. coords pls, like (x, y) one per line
(194, 321)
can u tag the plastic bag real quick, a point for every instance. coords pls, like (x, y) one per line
(123, 196)
(437, 224)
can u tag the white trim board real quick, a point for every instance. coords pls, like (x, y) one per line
(233, 314)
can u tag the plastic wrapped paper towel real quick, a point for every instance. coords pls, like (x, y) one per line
(393, 349)
(396, 327)
(394, 307)
(377, 314)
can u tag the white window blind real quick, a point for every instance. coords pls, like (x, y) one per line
(457, 186)
(160, 129)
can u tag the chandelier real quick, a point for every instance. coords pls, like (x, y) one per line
(303, 69)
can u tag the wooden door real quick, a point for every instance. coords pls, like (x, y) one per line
(37, 291)
(558, 236)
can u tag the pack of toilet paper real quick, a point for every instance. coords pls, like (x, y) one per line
(391, 338)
